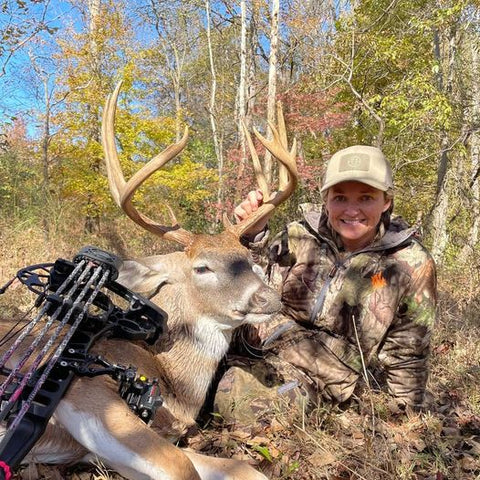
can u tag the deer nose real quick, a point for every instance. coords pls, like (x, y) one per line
(265, 300)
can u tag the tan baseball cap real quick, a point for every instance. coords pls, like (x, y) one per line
(360, 163)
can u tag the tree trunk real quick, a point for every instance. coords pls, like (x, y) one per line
(440, 210)
(242, 81)
(473, 146)
(247, 91)
(176, 75)
(439, 214)
(92, 221)
(272, 85)
(211, 109)
(171, 27)
(250, 89)
(45, 157)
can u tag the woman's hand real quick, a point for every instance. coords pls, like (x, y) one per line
(251, 204)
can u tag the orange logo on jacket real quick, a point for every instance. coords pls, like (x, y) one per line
(378, 281)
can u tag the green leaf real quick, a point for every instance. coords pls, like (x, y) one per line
(264, 452)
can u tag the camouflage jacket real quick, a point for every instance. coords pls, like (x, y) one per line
(342, 309)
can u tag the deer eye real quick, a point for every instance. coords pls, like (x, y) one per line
(201, 269)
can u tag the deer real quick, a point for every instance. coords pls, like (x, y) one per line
(208, 289)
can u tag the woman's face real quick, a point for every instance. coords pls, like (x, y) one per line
(354, 210)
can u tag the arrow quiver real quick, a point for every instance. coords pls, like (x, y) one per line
(78, 302)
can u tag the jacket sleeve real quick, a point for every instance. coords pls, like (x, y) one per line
(404, 353)
(275, 257)
(278, 254)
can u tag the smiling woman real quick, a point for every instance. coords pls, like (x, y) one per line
(355, 284)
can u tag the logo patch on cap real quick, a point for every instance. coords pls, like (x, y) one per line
(354, 161)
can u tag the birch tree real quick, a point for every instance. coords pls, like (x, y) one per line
(212, 106)
(272, 83)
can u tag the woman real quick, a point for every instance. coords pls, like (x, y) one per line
(355, 284)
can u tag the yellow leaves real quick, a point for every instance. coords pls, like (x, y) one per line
(194, 182)
(186, 186)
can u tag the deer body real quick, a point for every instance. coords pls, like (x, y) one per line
(207, 290)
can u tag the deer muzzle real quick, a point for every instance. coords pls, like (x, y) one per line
(265, 301)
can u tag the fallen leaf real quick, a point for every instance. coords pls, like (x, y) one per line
(320, 459)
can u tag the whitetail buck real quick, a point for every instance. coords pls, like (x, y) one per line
(208, 289)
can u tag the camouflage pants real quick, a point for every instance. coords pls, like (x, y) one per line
(254, 391)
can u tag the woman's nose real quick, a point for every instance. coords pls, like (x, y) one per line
(352, 208)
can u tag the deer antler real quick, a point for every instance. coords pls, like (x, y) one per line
(288, 174)
(123, 191)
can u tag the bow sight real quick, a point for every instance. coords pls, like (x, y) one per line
(75, 308)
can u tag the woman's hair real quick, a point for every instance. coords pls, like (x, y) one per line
(387, 214)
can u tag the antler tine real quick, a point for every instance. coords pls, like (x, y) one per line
(116, 180)
(123, 191)
(282, 171)
(279, 149)
(257, 167)
(286, 158)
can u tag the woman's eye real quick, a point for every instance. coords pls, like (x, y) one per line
(201, 269)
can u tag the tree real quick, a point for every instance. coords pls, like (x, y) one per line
(241, 106)
(90, 61)
(472, 117)
(167, 58)
(272, 84)
(212, 106)
(19, 173)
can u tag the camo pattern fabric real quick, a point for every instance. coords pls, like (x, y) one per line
(252, 389)
(342, 309)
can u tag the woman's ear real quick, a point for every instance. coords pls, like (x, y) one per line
(388, 203)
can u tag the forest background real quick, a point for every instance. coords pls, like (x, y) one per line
(401, 75)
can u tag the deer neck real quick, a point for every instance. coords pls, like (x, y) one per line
(189, 355)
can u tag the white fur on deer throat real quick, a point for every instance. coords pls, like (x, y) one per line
(85, 428)
(213, 337)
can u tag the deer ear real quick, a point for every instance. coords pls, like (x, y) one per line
(137, 277)
(146, 274)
